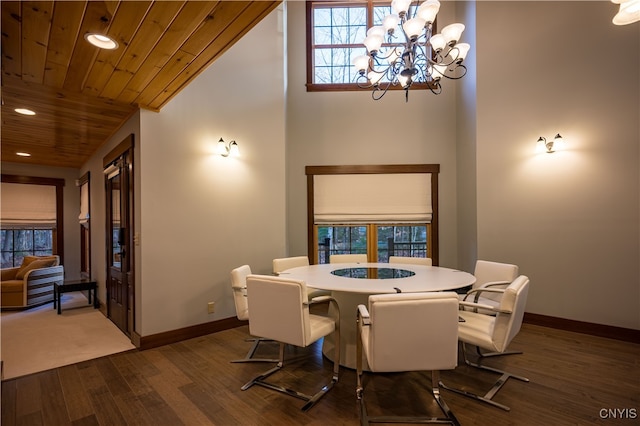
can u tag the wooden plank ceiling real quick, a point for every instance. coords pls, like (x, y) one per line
(82, 94)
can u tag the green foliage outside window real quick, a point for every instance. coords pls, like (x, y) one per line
(15, 244)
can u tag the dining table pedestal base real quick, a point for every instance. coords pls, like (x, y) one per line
(348, 303)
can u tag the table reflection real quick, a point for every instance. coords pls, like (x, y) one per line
(373, 273)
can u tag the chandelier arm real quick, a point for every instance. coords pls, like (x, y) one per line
(460, 76)
(377, 89)
(435, 87)
(363, 82)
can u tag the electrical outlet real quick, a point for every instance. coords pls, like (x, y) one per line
(210, 307)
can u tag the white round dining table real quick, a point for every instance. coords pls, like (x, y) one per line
(352, 283)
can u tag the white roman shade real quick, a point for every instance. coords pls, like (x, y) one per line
(372, 198)
(84, 203)
(28, 205)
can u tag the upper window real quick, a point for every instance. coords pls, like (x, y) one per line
(335, 31)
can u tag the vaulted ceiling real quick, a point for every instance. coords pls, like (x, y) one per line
(82, 94)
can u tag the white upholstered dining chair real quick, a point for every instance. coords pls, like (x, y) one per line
(284, 263)
(492, 334)
(279, 310)
(494, 275)
(348, 258)
(411, 260)
(405, 332)
(239, 288)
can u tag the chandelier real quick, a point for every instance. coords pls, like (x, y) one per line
(411, 53)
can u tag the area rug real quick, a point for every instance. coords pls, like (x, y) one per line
(39, 339)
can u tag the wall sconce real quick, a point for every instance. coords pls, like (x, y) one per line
(629, 12)
(225, 151)
(543, 145)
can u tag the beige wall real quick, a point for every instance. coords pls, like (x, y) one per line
(466, 160)
(202, 214)
(569, 219)
(350, 128)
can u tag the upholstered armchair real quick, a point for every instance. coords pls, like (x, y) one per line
(491, 333)
(284, 263)
(405, 332)
(31, 283)
(426, 261)
(491, 279)
(348, 258)
(239, 287)
(279, 310)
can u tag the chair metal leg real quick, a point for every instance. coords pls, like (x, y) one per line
(449, 418)
(249, 357)
(504, 376)
(311, 399)
(435, 391)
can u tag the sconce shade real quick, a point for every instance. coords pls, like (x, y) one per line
(438, 42)
(629, 12)
(403, 79)
(557, 144)
(375, 77)
(225, 151)
(377, 30)
(437, 71)
(373, 43)
(463, 49)
(400, 6)
(361, 63)
(413, 27)
(390, 22)
(428, 10)
(221, 147)
(234, 151)
(452, 33)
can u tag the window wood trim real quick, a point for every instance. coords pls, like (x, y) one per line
(85, 232)
(432, 169)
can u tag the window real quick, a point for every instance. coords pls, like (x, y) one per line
(380, 210)
(31, 218)
(20, 242)
(340, 240)
(402, 240)
(391, 240)
(335, 31)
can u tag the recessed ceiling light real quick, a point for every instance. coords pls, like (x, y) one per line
(23, 154)
(101, 41)
(24, 111)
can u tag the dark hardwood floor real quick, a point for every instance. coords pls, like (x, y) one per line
(576, 379)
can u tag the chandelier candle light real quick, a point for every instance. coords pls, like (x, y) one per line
(411, 53)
